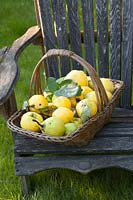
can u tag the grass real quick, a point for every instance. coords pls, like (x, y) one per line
(106, 184)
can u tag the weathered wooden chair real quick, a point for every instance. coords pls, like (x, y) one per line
(113, 146)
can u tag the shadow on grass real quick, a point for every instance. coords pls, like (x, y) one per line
(58, 184)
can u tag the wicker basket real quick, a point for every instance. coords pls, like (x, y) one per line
(87, 131)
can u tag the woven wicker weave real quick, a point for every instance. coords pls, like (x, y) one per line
(87, 131)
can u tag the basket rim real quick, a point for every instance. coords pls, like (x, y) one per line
(62, 139)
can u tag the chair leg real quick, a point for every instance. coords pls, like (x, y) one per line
(25, 184)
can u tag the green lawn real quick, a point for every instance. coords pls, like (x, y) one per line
(106, 184)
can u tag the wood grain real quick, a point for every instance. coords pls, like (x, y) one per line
(8, 107)
(48, 34)
(89, 40)
(59, 12)
(82, 164)
(74, 29)
(127, 51)
(3, 51)
(99, 145)
(102, 37)
(115, 39)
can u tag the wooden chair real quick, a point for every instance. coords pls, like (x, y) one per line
(113, 146)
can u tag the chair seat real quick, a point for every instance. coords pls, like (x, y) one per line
(114, 140)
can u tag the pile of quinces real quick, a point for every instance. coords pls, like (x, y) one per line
(65, 104)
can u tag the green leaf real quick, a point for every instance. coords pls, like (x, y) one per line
(46, 89)
(86, 113)
(52, 85)
(59, 80)
(49, 97)
(68, 89)
(67, 81)
(25, 105)
(79, 91)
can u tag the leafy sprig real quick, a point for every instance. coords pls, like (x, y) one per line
(61, 87)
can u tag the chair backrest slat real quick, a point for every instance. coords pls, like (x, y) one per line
(88, 23)
(74, 29)
(102, 37)
(127, 51)
(48, 31)
(115, 39)
(59, 13)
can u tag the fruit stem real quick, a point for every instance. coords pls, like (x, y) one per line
(34, 120)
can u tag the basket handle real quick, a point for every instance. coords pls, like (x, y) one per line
(101, 95)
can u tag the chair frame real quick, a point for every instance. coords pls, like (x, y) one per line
(99, 154)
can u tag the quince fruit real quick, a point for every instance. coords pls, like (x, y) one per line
(70, 127)
(86, 106)
(53, 126)
(27, 121)
(77, 76)
(63, 113)
(62, 102)
(108, 84)
(92, 96)
(37, 103)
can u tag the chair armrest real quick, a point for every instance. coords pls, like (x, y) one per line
(9, 71)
